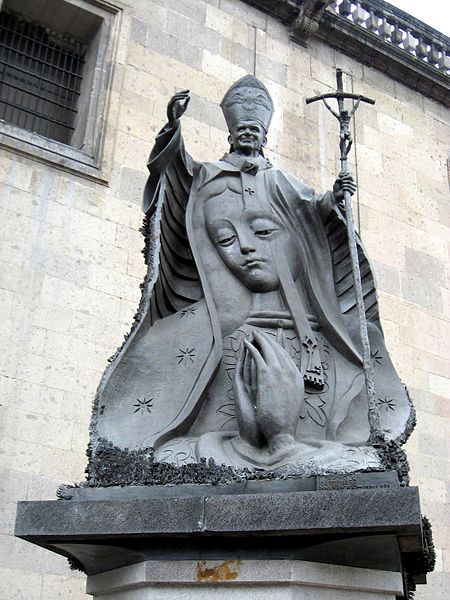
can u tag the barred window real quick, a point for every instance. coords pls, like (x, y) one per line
(40, 78)
(56, 69)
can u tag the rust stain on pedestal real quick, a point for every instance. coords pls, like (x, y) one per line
(225, 571)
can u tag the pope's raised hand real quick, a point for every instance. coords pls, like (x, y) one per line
(177, 106)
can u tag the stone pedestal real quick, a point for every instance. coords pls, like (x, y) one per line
(328, 538)
(242, 580)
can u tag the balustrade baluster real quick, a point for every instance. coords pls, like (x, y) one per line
(385, 29)
(372, 22)
(409, 42)
(434, 55)
(444, 61)
(397, 35)
(421, 49)
(359, 14)
(345, 8)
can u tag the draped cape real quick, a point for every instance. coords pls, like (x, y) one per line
(154, 388)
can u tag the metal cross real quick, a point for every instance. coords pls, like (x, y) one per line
(345, 143)
(343, 116)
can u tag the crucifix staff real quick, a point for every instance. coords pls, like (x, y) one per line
(345, 143)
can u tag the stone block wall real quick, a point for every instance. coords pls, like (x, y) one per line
(70, 261)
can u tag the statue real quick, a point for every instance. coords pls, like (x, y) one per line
(246, 346)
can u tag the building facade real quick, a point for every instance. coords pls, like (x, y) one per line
(83, 92)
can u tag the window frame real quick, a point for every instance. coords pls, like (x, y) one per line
(93, 105)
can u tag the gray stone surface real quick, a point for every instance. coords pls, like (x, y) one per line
(312, 512)
(356, 527)
(289, 579)
(108, 518)
(424, 268)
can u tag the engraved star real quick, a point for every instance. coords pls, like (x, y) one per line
(387, 403)
(186, 355)
(376, 357)
(187, 311)
(143, 405)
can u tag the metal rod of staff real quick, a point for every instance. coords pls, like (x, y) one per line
(345, 143)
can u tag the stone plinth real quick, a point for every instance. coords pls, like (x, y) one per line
(284, 538)
(242, 580)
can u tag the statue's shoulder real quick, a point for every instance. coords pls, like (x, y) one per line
(287, 178)
(208, 171)
(215, 166)
(222, 164)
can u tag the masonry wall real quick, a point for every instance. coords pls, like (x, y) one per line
(71, 263)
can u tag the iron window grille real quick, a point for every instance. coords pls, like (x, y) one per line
(40, 78)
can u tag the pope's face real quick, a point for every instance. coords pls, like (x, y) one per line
(247, 240)
(247, 137)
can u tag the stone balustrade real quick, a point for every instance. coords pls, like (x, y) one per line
(376, 34)
(399, 29)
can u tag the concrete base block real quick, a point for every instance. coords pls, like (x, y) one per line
(243, 580)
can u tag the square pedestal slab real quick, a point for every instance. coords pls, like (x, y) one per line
(206, 536)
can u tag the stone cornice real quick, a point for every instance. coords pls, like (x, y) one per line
(374, 33)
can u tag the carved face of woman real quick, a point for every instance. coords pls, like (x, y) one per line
(247, 239)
